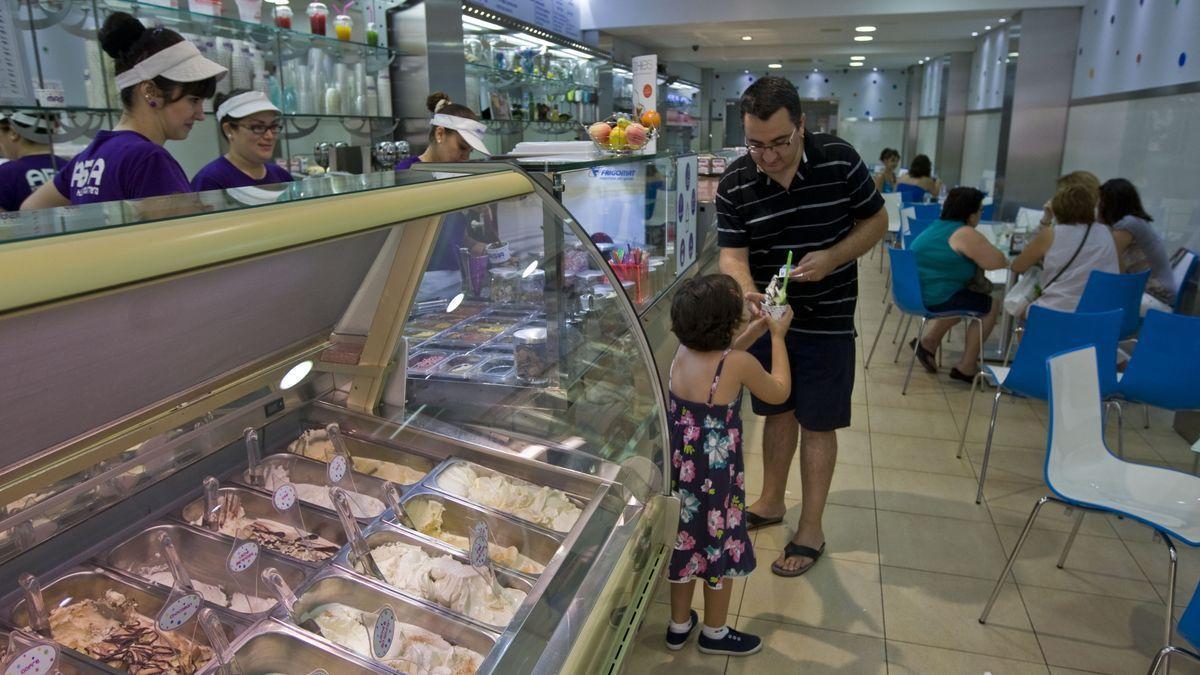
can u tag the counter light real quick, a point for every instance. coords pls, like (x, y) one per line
(296, 375)
(1003, 20)
(774, 66)
(863, 38)
(987, 27)
(747, 38)
(865, 29)
(858, 58)
(479, 23)
(856, 64)
(529, 270)
(455, 302)
(974, 33)
(1013, 55)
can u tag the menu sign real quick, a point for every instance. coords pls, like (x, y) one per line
(558, 16)
(14, 84)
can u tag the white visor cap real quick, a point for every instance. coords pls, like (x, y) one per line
(181, 62)
(244, 105)
(470, 130)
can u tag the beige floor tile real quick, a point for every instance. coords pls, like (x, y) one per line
(854, 447)
(754, 475)
(836, 594)
(852, 485)
(859, 395)
(1137, 448)
(928, 493)
(1106, 635)
(1010, 503)
(885, 373)
(1020, 432)
(650, 656)
(958, 398)
(910, 659)
(789, 648)
(1022, 465)
(850, 533)
(1056, 670)
(662, 594)
(918, 454)
(1151, 558)
(889, 395)
(939, 545)
(859, 417)
(1096, 565)
(919, 423)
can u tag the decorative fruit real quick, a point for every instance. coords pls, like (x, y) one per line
(616, 139)
(651, 119)
(600, 132)
(623, 122)
(636, 135)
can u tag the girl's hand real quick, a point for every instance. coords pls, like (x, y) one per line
(754, 330)
(779, 327)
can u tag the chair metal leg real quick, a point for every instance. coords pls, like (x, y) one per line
(987, 448)
(920, 332)
(1062, 559)
(896, 335)
(875, 344)
(903, 338)
(1120, 429)
(1165, 652)
(976, 384)
(1146, 416)
(1012, 558)
(1171, 574)
(1016, 337)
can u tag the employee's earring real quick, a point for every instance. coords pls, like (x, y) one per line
(152, 102)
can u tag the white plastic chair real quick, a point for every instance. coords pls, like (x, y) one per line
(1082, 473)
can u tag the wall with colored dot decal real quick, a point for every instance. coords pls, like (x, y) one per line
(1125, 46)
(989, 64)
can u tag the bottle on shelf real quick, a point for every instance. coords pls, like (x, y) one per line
(372, 35)
(283, 17)
(318, 13)
(342, 26)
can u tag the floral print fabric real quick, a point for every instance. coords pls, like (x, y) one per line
(708, 477)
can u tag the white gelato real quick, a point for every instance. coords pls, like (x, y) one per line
(426, 515)
(447, 582)
(315, 444)
(238, 601)
(363, 506)
(541, 505)
(414, 651)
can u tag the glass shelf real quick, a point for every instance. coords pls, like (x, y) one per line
(509, 78)
(43, 110)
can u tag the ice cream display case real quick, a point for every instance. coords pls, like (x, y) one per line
(319, 432)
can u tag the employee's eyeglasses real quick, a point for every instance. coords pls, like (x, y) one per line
(758, 149)
(259, 129)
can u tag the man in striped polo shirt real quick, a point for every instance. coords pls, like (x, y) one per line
(809, 194)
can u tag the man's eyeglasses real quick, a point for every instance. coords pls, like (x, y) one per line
(259, 129)
(758, 150)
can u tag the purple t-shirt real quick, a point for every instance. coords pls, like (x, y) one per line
(20, 177)
(120, 165)
(221, 174)
(407, 162)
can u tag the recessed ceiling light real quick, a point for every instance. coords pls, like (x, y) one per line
(815, 70)
(746, 72)
(856, 64)
(875, 69)
(987, 27)
(858, 58)
(974, 33)
(1013, 55)
(774, 66)
(1003, 20)
(863, 38)
(747, 38)
(865, 29)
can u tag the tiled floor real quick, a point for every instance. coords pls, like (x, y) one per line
(911, 558)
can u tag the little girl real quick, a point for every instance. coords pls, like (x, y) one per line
(707, 376)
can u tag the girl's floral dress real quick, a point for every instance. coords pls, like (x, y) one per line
(708, 477)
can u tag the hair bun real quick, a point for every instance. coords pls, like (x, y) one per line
(120, 33)
(436, 101)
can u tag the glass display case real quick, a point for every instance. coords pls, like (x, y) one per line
(683, 116)
(268, 369)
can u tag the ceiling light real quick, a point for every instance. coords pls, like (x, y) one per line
(865, 29)
(974, 33)
(856, 64)
(774, 66)
(1003, 20)
(296, 374)
(1013, 55)
(858, 58)
(746, 72)
(747, 38)
(863, 38)
(987, 27)
(875, 70)
(815, 70)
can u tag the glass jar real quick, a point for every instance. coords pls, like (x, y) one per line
(342, 26)
(318, 13)
(283, 16)
(504, 285)
(532, 287)
(473, 50)
(531, 355)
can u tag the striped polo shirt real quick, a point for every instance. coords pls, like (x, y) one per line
(832, 190)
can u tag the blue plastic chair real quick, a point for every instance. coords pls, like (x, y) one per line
(911, 193)
(989, 212)
(1083, 475)
(906, 296)
(1164, 370)
(1106, 291)
(930, 212)
(1183, 268)
(1047, 332)
(915, 227)
(1188, 629)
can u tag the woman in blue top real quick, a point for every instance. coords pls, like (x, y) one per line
(250, 124)
(949, 253)
(885, 181)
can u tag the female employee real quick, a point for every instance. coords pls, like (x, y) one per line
(163, 81)
(25, 143)
(250, 123)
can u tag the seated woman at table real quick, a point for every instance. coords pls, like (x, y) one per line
(920, 174)
(1084, 179)
(1139, 246)
(1069, 251)
(950, 254)
(885, 180)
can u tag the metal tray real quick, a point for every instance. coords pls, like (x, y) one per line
(83, 584)
(431, 483)
(204, 555)
(383, 533)
(360, 449)
(459, 516)
(304, 470)
(274, 647)
(258, 505)
(336, 585)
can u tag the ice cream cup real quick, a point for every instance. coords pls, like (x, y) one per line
(774, 311)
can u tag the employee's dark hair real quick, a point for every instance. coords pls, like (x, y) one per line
(888, 153)
(1119, 198)
(128, 42)
(961, 204)
(920, 167)
(706, 311)
(439, 102)
(767, 95)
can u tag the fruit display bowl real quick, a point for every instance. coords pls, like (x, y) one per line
(618, 134)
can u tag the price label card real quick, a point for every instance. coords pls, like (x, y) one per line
(179, 611)
(479, 545)
(384, 632)
(37, 660)
(242, 557)
(336, 469)
(284, 497)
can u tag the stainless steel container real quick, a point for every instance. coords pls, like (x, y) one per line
(68, 662)
(258, 505)
(274, 647)
(304, 470)
(360, 449)
(432, 481)
(204, 556)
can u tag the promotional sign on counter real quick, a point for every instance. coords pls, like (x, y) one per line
(687, 179)
(645, 91)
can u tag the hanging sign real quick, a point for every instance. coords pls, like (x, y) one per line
(645, 91)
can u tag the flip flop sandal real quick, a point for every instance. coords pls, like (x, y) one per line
(795, 551)
(927, 358)
(755, 521)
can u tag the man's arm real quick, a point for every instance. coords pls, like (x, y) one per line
(864, 234)
(736, 263)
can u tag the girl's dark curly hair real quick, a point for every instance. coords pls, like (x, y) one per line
(706, 311)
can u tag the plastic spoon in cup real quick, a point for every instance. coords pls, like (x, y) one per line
(358, 545)
(280, 589)
(787, 273)
(171, 554)
(391, 495)
(218, 642)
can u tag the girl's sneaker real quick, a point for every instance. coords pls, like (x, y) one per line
(735, 643)
(675, 641)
